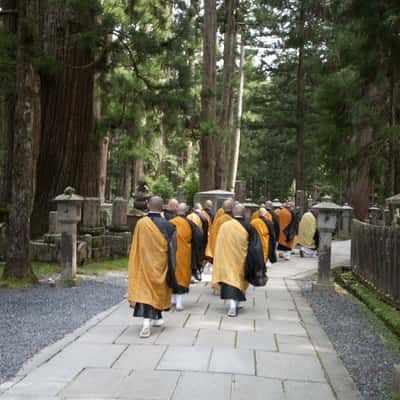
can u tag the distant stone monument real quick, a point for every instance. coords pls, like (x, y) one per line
(119, 234)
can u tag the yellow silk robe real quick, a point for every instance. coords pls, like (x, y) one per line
(307, 228)
(219, 212)
(218, 222)
(285, 218)
(256, 214)
(196, 219)
(230, 256)
(263, 233)
(148, 266)
(183, 272)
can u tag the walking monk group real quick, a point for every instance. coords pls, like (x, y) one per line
(165, 254)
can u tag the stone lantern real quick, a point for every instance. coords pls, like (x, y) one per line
(326, 223)
(69, 214)
(346, 216)
(374, 214)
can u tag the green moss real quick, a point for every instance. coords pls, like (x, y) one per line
(92, 268)
(102, 267)
(12, 284)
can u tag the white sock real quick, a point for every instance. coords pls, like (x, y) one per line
(173, 300)
(146, 323)
(233, 304)
(179, 303)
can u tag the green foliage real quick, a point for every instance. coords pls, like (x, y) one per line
(190, 188)
(161, 187)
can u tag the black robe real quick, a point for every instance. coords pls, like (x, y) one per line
(272, 240)
(275, 219)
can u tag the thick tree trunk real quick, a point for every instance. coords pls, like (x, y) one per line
(7, 115)
(208, 99)
(299, 173)
(126, 194)
(236, 145)
(163, 168)
(229, 56)
(68, 154)
(103, 168)
(360, 175)
(27, 120)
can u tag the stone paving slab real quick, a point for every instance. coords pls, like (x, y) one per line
(237, 324)
(309, 391)
(203, 386)
(148, 385)
(295, 344)
(236, 361)
(215, 338)
(289, 366)
(257, 388)
(280, 327)
(140, 357)
(177, 337)
(102, 334)
(96, 383)
(180, 358)
(256, 341)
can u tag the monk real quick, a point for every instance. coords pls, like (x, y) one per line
(288, 223)
(171, 210)
(227, 207)
(307, 237)
(189, 242)
(238, 260)
(151, 268)
(274, 217)
(265, 229)
(208, 209)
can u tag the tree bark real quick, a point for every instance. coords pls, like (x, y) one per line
(68, 154)
(27, 120)
(126, 194)
(236, 146)
(103, 168)
(208, 97)
(225, 126)
(299, 173)
(7, 115)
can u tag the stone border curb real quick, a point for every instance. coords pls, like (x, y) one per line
(50, 351)
(336, 373)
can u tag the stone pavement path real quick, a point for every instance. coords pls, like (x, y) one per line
(274, 350)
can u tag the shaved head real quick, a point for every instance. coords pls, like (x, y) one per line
(208, 204)
(197, 206)
(155, 204)
(183, 209)
(227, 205)
(262, 211)
(268, 204)
(173, 205)
(238, 210)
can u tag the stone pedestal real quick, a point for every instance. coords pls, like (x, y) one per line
(120, 243)
(324, 258)
(69, 214)
(54, 227)
(374, 215)
(240, 191)
(119, 215)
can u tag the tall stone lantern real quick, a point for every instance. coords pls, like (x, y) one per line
(346, 216)
(326, 224)
(69, 206)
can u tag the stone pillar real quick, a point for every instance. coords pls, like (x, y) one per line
(240, 191)
(326, 224)
(69, 214)
(387, 217)
(91, 220)
(119, 215)
(346, 216)
(54, 227)
(374, 215)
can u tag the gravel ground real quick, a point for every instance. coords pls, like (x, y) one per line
(31, 319)
(357, 342)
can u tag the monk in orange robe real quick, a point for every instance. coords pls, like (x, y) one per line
(189, 240)
(288, 222)
(218, 222)
(238, 260)
(265, 229)
(208, 211)
(151, 267)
